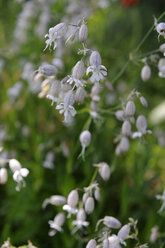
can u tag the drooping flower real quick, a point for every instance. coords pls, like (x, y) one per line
(77, 75)
(18, 173)
(66, 107)
(56, 224)
(55, 33)
(98, 71)
(80, 220)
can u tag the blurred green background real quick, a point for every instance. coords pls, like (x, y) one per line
(137, 176)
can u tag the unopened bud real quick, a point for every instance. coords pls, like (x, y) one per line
(95, 58)
(3, 175)
(69, 98)
(124, 232)
(111, 222)
(57, 200)
(162, 48)
(48, 70)
(59, 219)
(70, 39)
(89, 205)
(143, 101)
(78, 70)
(145, 73)
(124, 144)
(119, 115)
(80, 95)
(106, 243)
(91, 244)
(141, 124)
(73, 198)
(130, 108)
(83, 33)
(104, 170)
(85, 138)
(126, 128)
(81, 215)
(97, 194)
(85, 196)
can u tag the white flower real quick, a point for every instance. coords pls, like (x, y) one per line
(80, 221)
(19, 175)
(56, 224)
(160, 28)
(98, 72)
(141, 124)
(161, 197)
(77, 75)
(66, 107)
(70, 210)
(55, 33)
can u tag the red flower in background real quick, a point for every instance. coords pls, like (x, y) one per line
(127, 3)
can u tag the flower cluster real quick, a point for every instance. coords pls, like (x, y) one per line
(127, 116)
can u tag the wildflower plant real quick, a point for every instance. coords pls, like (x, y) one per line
(88, 213)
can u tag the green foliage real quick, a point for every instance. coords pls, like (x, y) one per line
(136, 176)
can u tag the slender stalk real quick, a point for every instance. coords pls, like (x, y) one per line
(131, 57)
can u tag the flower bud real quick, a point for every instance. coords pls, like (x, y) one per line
(154, 234)
(143, 101)
(124, 144)
(161, 63)
(124, 232)
(14, 165)
(85, 196)
(145, 73)
(59, 30)
(73, 198)
(106, 243)
(141, 124)
(111, 222)
(104, 171)
(95, 90)
(94, 106)
(59, 219)
(55, 88)
(95, 58)
(91, 244)
(130, 108)
(119, 115)
(81, 215)
(162, 48)
(85, 138)
(57, 200)
(69, 98)
(126, 128)
(114, 241)
(78, 70)
(80, 95)
(3, 176)
(70, 39)
(97, 194)
(48, 70)
(38, 77)
(83, 33)
(89, 205)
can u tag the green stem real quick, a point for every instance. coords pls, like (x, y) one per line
(135, 51)
(94, 176)
(148, 33)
